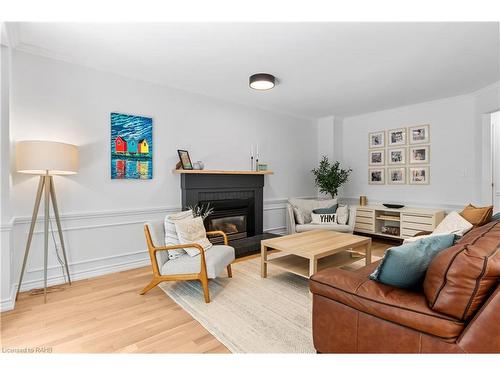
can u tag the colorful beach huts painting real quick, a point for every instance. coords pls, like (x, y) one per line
(131, 147)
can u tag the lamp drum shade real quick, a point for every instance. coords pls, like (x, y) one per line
(42, 157)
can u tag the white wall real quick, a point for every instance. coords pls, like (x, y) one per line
(103, 217)
(5, 209)
(453, 163)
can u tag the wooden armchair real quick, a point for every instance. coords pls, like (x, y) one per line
(186, 267)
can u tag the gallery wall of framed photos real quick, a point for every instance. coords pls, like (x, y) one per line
(399, 156)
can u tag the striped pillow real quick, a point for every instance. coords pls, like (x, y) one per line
(171, 237)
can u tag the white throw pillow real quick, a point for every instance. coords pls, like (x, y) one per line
(299, 215)
(192, 230)
(342, 215)
(453, 223)
(171, 237)
(323, 218)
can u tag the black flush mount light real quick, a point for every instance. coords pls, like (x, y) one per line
(261, 81)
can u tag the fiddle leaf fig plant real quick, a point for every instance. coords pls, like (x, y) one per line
(330, 177)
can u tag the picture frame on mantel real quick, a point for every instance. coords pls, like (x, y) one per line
(184, 160)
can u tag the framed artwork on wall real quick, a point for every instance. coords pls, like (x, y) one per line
(396, 156)
(131, 147)
(396, 176)
(376, 140)
(396, 137)
(376, 176)
(419, 155)
(376, 157)
(419, 175)
(419, 134)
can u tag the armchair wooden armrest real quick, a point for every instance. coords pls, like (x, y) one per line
(218, 233)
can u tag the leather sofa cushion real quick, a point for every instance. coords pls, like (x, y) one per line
(460, 278)
(403, 307)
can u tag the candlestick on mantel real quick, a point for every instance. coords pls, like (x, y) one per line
(251, 157)
(257, 158)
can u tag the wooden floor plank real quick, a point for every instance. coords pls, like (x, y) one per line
(106, 314)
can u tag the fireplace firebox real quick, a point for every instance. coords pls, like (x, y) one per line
(232, 216)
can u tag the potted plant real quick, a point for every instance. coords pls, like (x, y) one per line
(330, 177)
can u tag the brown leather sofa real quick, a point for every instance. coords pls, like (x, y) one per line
(457, 310)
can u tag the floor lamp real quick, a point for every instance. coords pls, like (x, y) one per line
(45, 159)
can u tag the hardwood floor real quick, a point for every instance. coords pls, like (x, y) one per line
(106, 314)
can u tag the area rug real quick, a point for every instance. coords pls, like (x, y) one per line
(249, 314)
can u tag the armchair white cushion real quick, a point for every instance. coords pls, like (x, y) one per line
(217, 258)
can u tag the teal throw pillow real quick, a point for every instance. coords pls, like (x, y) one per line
(496, 216)
(328, 210)
(405, 266)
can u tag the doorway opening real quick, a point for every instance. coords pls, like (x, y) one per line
(495, 161)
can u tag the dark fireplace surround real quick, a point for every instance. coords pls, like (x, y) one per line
(237, 200)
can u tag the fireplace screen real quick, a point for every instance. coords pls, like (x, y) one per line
(234, 226)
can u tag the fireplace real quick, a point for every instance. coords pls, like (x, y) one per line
(232, 216)
(237, 205)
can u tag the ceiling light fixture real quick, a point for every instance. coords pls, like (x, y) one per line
(261, 81)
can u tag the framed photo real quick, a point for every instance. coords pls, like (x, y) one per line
(419, 155)
(396, 137)
(131, 147)
(419, 134)
(376, 140)
(396, 176)
(185, 159)
(396, 156)
(376, 176)
(376, 157)
(419, 175)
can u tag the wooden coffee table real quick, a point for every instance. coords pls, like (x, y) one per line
(309, 252)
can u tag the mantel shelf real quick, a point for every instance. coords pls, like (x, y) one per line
(215, 171)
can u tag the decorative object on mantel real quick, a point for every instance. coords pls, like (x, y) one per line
(131, 147)
(330, 177)
(261, 167)
(45, 158)
(185, 160)
(198, 165)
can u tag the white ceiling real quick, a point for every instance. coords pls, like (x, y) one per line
(322, 68)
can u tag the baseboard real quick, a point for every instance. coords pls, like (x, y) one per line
(9, 303)
(87, 274)
(278, 230)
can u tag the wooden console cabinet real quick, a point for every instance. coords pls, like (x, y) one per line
(396, 223)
